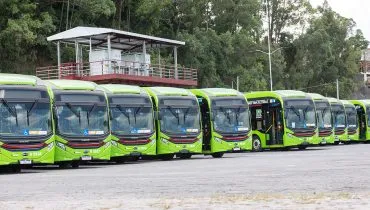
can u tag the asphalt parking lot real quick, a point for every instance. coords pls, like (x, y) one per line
(330, 177)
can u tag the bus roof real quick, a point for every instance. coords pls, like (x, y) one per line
(19, 79)
(64, 84)
(277, 94)
(316, 96)
(363, 102)
(334, 100)
(122, 89)
(219, 92)
(170, 91)
(347, 103)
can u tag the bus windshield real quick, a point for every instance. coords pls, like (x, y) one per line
(339, 116)
(82, 120)
(300, 114)
(231, 119)
(351, 117)
(131, 120)
(324, 118)
(179, 116)
(24, 119)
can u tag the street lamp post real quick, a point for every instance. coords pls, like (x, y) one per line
(269, 53)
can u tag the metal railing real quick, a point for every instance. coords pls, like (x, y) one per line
(106, 67)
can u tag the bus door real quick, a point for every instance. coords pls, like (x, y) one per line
(361, 122)
(274, 125)
(206, 122)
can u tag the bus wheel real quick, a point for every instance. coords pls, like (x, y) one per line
(15, 168)
(119, 160)
(302, 147)
(256, 144)
(184, 156)
(346, 142)
(217, 155)
(336, 142)
(64, 165)
(167, 157)
(75, 164)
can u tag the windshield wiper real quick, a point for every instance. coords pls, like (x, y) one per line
(174, 114)
(137, 111)
(12, 111)
(30, 111)
(226, 114)
(88, 113)
(78, 114)
(237, 115)
(295, 111)
(186, 113)
(119, 107)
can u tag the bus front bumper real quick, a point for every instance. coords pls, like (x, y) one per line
(119, 149)
(66, 153)
(44, 155)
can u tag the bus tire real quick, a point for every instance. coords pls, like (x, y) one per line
(15, 168)
(302, 147)
(75, 164)
(217, 155)
(119, 160)
(256, 144)
(346, 142)
(166, 157)
(64, 165)
(184, 156)
(336, 142)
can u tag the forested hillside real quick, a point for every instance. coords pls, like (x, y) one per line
(313, 46)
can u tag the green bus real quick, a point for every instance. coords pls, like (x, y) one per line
(26, 125)
(339, 120)
(363, 119)
(324, 118)
(81, 122)
(225, 121)
(351, 122)
(178, 124)
(131, 122)
(282, 119)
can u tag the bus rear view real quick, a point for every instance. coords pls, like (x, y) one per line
(132, 122)
(177, 122)
(225, 121)
(81, 114)
(26, 134)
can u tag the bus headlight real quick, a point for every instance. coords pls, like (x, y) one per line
(61, 145)
(50, 146)
(218, 139)
(164, 140)
(290, 135)
(114, 143)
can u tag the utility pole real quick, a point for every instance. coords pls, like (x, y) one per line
(269, 42)
(237, 83)
(337, 89)
(67, 14)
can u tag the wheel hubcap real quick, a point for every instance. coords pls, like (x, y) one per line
(256, 144)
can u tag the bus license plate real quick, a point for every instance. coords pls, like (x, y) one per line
(25, 162)
(86, 158)
(236, 149)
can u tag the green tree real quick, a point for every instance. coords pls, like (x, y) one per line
(22, 30)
